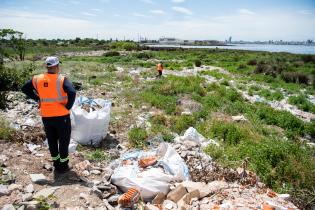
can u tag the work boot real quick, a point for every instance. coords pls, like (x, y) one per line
(56, 164)
(63, 167)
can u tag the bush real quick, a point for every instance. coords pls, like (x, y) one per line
(5, 130)
(295, 77)
(308, 58)
(111, 54)
(197, 63)
(252, 62)
(230, 133)
(182, 123)
(143, 55)
(242, 66)
(137, 137)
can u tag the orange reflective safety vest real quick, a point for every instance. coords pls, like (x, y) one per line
(160, 67)
(52, 96)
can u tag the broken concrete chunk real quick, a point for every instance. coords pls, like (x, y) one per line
(159, 198)
(46, 192)
(13, 187)
(189, 196)
(27, 197)
(217, 185)
(29, 188)
(38, 178)
(4, 190)
(176, 194)
(201, 186)
(84, 165)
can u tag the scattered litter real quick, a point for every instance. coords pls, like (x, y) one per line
(32, 147)
(153, 179)
(129, 198)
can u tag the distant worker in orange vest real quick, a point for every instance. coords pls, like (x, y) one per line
(159, 69)
(55, 95)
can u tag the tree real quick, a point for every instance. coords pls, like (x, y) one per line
(12, 39)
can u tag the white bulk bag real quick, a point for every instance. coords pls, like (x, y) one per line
(89, 128)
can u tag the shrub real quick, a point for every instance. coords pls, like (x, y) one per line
(295, 77)
(230, 133)
(5, 130)
(197, 63)
(111, 54)
(143, 55)
(308, 58)
(182, 123)
(137, 137)
(242, 66)
(252, 62)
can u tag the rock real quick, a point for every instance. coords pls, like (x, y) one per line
(169, 205)
(217, 185)
(96, 172)
(85, 173)
(189, 196)
(176, 194)
(239, 118)
(4, 190)
(29, 188)
(13, 187)
(159, 198)
(45, 192)
(113, 200)
(8, 207)
(201, 186)
(150, 207)
(96, 192)
(38, 178)
(48, 167)
(84, 165)
(284, 196)
(31, 205)
(27, 197)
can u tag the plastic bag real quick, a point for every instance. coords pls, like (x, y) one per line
(153, 179)
(89, 128)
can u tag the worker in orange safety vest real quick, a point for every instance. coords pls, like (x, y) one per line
(55, 95)
(159, 68)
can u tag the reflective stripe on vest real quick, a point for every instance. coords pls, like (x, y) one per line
(60, 97)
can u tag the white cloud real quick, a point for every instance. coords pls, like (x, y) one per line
(182, 10)
(305, 12)
(136, 14)
(96, 10)
(88, 14)
(178, 1)
(148, 1)
(246, 12)
(158, 12)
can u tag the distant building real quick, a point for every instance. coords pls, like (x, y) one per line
(170, 41)
(230, 40)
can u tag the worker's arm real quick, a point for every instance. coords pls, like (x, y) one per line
(68, 88)
(29, 90)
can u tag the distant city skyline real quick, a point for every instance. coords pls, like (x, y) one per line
(288, 20)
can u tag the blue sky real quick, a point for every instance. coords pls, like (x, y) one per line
(185, 19)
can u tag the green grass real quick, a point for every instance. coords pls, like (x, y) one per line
(97, 155)
(302, 103)
(137, 137)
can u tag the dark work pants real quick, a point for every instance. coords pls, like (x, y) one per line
(58, 131)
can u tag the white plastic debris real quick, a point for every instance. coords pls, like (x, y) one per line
(154, 179)
(32, 147)
(191, 134)
(89, 128)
